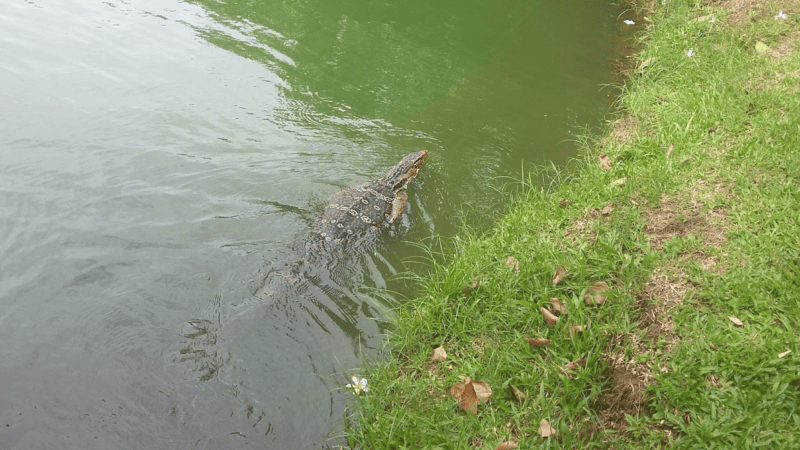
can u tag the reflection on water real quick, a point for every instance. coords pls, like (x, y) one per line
(162, 161)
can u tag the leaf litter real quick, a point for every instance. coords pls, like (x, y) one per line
(468, 392)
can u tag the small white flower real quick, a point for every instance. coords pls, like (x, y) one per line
(780, 15)
(690, 53)
(628, 22)
(359, 384)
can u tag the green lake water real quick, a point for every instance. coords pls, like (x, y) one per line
(158, 158)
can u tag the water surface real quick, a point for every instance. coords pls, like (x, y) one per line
(158, 157)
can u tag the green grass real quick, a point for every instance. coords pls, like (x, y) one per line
(712, 146)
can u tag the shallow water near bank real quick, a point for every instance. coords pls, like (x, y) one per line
(159, 157)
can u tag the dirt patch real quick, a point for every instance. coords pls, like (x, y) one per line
(662, 293)
(629, 378)
(681, 216)
(625, 392)
(625, 131)
(691, 212)
(476, 441)
(712, 382)
(583, 229)
(707, 262)
(787, 45)
(746, 11)
(741, 10)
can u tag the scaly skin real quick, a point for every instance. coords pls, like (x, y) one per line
(360, 210)
(352, 218)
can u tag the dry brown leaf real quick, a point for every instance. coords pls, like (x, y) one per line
(545, 430)
(458, 388)
(605, 163)
(513, 262)
(439, 354)
(575, 364)
(482, 390)
(736, 321)
(557, 305)
(669, 150)
(506, 445)
(578, 328)
(538, 342)
(519, 395)
(619, 182)
(783, 355)
(595, 295)
(468, 400)
(564, 203)
(560, 274)
(607, 210)
(549, 317)
(468, 392)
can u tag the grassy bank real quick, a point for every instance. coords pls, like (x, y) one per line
(680, 236)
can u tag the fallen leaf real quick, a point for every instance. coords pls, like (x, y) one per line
(468, 392)
(545, 430)
(458, 388)
(736, 321)
(439, 354)
(506, 445)
(482, 390)
(538, 342)
(575, 364)
(761, 47)
(513, 262)
(669, 150)
(605, 163)
(595, 294)
(518, 395)
(564, 203)
(619, 182)
(578, 328)
(686, 160)
(607, 210)
(557, 306)
(549, 317)
(560, 275)
(467, 399)
(783, 355)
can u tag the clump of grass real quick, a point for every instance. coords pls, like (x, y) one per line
(696, 221)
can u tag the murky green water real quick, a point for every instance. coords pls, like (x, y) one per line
(158, 157)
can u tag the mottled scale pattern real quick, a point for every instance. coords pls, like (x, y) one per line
(353, 212)
(356, 212)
